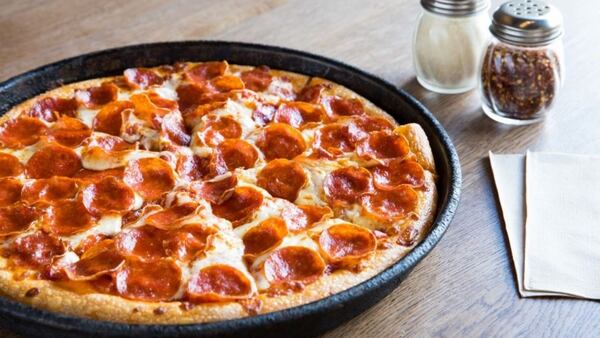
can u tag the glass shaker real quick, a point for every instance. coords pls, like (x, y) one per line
(448, 43)
(522, 67)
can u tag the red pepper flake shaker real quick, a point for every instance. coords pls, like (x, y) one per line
(522, 67)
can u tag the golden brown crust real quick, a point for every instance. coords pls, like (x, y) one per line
(114, 308)
(419, 144)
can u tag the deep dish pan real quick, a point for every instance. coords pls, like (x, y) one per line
(305, 320)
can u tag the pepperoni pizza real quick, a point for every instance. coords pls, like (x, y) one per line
(204, 191)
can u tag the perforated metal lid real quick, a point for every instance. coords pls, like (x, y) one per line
(455, 7)
(527, 22)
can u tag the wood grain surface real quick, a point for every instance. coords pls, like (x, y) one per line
(465, 287)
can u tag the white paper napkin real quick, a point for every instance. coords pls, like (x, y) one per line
(562, 242)
(545, 228)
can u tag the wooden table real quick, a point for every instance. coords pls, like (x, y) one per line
(465, 287)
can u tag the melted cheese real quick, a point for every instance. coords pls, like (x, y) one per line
(24, 154)
(87, 115)
(168, 89)
(107, 225)
(95, 158)
(312, 192)
(67, 258)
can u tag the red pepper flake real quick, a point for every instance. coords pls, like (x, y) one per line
(159, 311)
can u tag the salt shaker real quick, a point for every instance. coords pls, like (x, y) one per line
(522, 67)
(448, 44)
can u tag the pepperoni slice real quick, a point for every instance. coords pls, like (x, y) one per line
(169, 218)
(49, 190)
(10, 165)
(186, 242)
(53, 160)
(98, 260)
(174, 130)
(162, 102)
(282, 178)
(257, 79)
(302, 217)
(382, 145)
(360, 126)
(106, 196)
(88, 242)
(263, 114)
(219, 128)
(145, 243)
(232, 154)
(217, 283)
(16, 218)
(67, 217)
(35, 250)
(226, 83)
(189, 96)
(280, 140)
(50, 108)
(149, 177)
(398, 171)
(346, 185)
(192, 167)
(346, 106)
(21, 131)
(10, 191)
(146, 110)
(142, 77)
(312, 93)
(149, 281)
(347, 242)
(293, 264)
(216, 190)
(396, 203)
(194, 116)
(109, 119)
(95, 97)
(297, 114)
(206, 71)
(266, 235)
(334, 139)
(240, 206)
(97, 175)
(69, 131)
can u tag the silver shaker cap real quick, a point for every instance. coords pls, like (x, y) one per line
(527, 22)
(455, 7)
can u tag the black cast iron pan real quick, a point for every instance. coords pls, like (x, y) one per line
(306, 320)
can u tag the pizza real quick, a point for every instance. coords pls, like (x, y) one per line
(202, 192)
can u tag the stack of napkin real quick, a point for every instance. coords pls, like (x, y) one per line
(551, 208)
